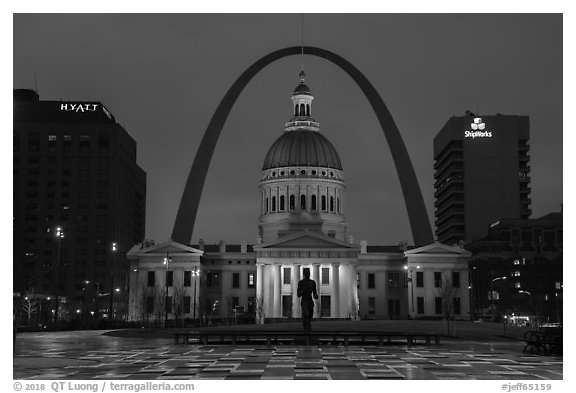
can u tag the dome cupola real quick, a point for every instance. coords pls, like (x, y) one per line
(302, 185)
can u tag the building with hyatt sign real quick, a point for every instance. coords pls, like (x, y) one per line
(79, 205)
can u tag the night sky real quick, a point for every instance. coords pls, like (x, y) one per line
(162, 77)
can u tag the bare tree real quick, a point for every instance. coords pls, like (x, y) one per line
(260, 314)
(229, 308)
(447, 292)
(142, 303)
(159, 303)
(207, 307)
(354, 309)
(30, 305)
(178, 293)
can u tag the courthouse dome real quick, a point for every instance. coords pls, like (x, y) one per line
(302, 148)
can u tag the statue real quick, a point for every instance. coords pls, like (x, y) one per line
(307, 290)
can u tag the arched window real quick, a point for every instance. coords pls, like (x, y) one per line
(331, 203)
(281, 203)
(323, 202)
(292, 202)
(296, 110)
(338, 204)
(302, 110)
(273, 203)
(303, 202)
(267, 205)
(313, 203)
(307, 110)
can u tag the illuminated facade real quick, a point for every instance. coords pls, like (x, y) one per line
(75, 169)
(481, 175)
(302, 224)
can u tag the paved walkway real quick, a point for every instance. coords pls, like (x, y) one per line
(90, 355)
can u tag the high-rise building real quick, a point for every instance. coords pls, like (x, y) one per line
(79, 206)
(481, 175)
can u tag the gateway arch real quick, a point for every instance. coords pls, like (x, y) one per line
(417, 215)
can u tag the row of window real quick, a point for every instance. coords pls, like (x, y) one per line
(439, 306)
(394, 280)
(302, 172)
(211, 279)
(333, 204)
(52, 139)
(302, 110)
(184, 304)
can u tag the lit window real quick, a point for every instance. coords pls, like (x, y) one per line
(52, 138)
(516, 273)
(516, 262)
(517, 285)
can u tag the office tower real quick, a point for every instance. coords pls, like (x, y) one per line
(79, 205)
(481, 174)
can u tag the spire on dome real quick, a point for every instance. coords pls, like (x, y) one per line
(302, 98)
(302, 87)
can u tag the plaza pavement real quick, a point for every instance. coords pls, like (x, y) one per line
(134, 355)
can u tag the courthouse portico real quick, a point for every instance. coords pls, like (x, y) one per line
(332, 264)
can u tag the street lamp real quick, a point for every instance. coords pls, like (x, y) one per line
(196, 274)
(166, 262)
(530, 300)
(59, 236)
(528, 293)
(97, 293)
(114, 249)
(409, 279)
(492, 290)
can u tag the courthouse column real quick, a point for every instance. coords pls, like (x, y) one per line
(335, 301)
(277, 292)
(295, 298)
(316, 277)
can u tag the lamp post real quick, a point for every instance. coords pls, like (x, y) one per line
(59, 237)
(410, 280)
(530, 299)
(196, 274)
(97, 284)
(166, 262)
(492, 290)
(112, 271)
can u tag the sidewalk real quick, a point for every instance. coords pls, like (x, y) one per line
(95, 355)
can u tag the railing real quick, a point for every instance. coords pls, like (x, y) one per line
(316, 337)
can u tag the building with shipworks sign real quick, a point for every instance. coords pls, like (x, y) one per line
(79, 205)
(481, 174)
(301, 196)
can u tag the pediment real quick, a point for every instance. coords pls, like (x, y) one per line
(437, 249)
(303, 240)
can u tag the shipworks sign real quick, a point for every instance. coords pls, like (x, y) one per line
(478, 130)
